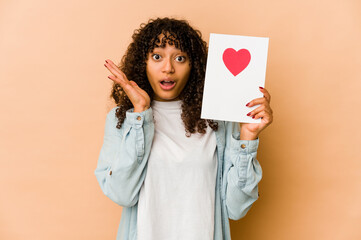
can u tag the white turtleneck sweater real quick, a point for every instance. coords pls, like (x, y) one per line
(177, 198)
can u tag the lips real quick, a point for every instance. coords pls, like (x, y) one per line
(167, 84)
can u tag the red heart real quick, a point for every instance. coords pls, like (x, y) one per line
(236, 62)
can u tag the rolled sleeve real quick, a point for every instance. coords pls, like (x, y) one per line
(137, 119)
(123, 157)
(243, 175)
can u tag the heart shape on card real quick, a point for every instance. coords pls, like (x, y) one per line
(236, 62)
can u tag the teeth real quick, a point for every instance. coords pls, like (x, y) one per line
(167, 81)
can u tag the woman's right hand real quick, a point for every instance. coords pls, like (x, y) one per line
(139, 98)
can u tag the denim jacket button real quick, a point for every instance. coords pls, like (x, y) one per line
(139, 118)
(243, 146)
(110, 173)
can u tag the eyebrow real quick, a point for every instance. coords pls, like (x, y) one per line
(159, 48)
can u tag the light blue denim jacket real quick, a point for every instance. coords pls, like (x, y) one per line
(122, 167)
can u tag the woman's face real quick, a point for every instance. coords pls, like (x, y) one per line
(168, 71)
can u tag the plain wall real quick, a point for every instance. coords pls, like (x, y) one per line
(54, 98)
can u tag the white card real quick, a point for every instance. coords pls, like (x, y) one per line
(236, 68)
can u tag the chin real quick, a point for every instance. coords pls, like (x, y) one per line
(167, 97)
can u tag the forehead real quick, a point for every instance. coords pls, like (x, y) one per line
(163, 39)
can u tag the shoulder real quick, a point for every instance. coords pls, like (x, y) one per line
(111, 118)
(111, 122)
(111, 113)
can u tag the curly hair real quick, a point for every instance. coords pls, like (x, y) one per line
(180, 34)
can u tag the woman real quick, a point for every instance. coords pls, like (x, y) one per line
(177, 176)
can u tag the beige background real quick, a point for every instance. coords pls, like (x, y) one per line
(53, 102)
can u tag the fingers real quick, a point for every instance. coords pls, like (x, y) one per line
(257, 101)
(112, 68)
(136, 87)
(130, 88)
(118, 76)
(134, 84)
(264, 107)
(257, 110)
(265, 94)
(264, 110)
(136, 95)
(266, 116)
(265, 99)
(263, 113)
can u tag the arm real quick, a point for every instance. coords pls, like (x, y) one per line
(244, 173)
(124, 155)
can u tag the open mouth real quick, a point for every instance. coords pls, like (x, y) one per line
(167, 85)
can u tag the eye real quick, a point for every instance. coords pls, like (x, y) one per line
(156, 56)
(180, 58)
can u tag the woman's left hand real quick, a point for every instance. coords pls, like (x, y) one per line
(250, 131)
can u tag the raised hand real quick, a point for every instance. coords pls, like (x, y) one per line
(250, 131)
(139, 98)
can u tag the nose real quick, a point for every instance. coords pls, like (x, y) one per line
(168, 66)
